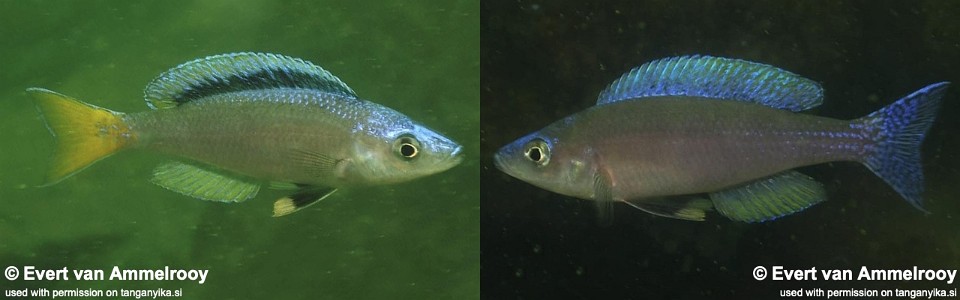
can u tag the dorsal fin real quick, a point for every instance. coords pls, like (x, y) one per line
(235, 72)
(716, 78)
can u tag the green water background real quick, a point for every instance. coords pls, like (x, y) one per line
(414, 240)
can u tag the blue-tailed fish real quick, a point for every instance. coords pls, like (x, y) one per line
(671, 130)
(242, 120)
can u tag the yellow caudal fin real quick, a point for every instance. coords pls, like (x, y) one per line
(85, 133)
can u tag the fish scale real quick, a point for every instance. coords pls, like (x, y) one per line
(708, 142)
(236, 142)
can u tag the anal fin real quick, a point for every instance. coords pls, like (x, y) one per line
(203, 184)
(300, 200)
(769, 198)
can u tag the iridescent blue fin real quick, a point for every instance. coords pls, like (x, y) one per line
(769, 198)
(716, 78)
(236, 72)
(897, 131)
(203, 184)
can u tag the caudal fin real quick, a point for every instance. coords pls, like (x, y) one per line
(898, 130)
(85, 133)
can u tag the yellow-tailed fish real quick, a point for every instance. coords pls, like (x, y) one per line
(244, 119)
(678, 127)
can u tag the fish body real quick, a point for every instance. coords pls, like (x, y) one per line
(675, 146)
(706, 125)
(248, 139)
(240, 120)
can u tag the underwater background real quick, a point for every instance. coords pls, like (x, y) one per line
(544, 60)
(415, 240)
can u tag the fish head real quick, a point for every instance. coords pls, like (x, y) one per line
(402, 153)
(542, 159)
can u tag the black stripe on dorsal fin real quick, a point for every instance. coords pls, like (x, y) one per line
(235, 72)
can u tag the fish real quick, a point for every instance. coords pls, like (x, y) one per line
(680, 136)
(238, 121)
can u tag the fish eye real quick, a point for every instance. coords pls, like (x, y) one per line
(538, 151)
(407, 147)
(408, 150)
(534, 154)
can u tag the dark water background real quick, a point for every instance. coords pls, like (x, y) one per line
(416, 240)
(543, 60)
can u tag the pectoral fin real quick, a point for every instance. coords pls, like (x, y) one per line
(603, 196)
(769, 198)
(318, 164)
(300, 200)
(678, 207)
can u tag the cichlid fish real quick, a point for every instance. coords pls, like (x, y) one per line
(677, 127)
(239, 120)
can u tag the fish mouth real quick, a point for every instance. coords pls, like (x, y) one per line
(499, 162)
(456, 155)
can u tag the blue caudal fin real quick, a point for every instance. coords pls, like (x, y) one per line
(898, 131)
